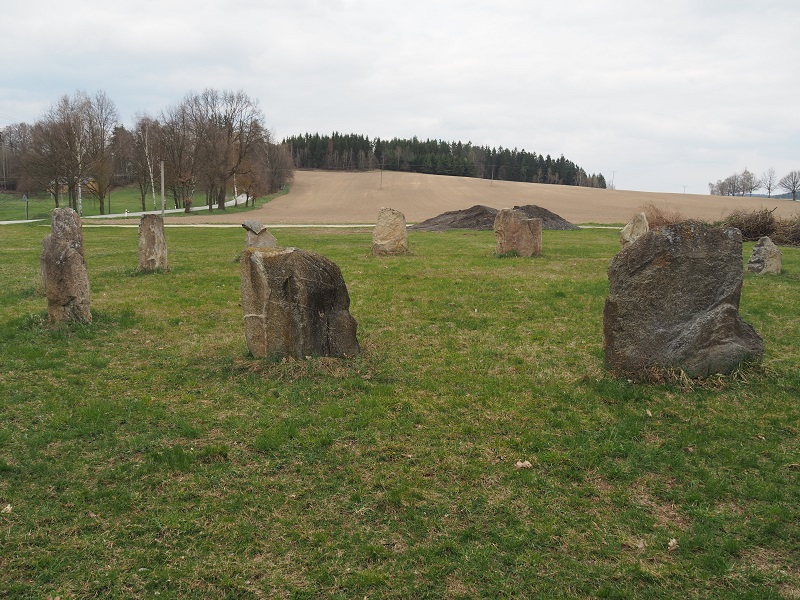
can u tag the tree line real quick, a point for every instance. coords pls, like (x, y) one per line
(438, 157)
(745, 183)
(211, 143)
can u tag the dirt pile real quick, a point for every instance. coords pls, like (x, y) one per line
(482, 218)
(477, 217)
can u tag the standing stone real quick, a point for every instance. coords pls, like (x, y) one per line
(637, 227)
(63, 268)
(152, 244)
(515, 232)
(295, 304)
(766, 258)
(674, 303)
(258, 236)
(390, 237)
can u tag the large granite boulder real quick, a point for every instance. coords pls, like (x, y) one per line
(295, 304)
(766, 258)
(515, 232)
(635, 229)
(257, 235)
(63, 268)
(152, 244)
(390, 237)
(674, 303)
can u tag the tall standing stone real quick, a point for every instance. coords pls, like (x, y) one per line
(257, 235)
(674, 303)
(295, 304)
(390, 237)
(152, 244)
(515, 232)
(766, 258)
(635, 229)
(63, 268)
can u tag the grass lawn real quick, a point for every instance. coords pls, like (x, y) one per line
(41, 206)
(148, 453)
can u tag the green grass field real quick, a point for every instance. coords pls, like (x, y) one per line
(148, 454)
(41, 206)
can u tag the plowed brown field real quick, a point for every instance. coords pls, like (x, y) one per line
(323, 197)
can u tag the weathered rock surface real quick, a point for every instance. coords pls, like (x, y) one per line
(674, 303)
(63, 267)
(390, 237)
(152, 244)
(766, 258)
(515, 232)
(635, 229)
(295, 304)
(257, 235)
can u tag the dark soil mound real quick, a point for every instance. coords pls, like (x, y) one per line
(482, 218)
(550, 220)
(478, 217)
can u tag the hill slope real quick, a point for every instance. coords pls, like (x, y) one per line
(325, 197)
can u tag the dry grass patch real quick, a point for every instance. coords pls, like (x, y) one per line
(666, 515)
(659, 215)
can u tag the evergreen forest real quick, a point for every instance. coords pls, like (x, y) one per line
(357, 152)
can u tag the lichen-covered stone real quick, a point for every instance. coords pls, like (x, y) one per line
(674, 303)
(766, 258)
(295, 304)
(152, 244)
(390, 236)
(516, 233)
(258, 236)
(63, 268)
(635, 229)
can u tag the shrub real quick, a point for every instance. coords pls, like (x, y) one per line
(658, 216)
(787, 231)
(754, 224)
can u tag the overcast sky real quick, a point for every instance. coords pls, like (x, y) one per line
(654, 95)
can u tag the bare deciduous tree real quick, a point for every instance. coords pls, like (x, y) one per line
(267, 168)
(769, 180)
(206, 141)
(791, 183)
(748, 183)
(71, 146)
(15, 141)
(101, 120)
(226, 125)
(178, 146)
(145, 132)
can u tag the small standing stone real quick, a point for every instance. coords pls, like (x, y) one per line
(152, 244)
(295, 304)
(258, 236)
(390, 237)
(515, 232)
(766, 258)
(63, 268)
(637, 227)
(673, 303)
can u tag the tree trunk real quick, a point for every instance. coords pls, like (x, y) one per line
(221, 198)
